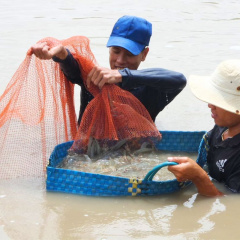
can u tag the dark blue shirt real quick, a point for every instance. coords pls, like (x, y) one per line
(154, 87)
(223, 158)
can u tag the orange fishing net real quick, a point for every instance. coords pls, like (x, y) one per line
(37, 112)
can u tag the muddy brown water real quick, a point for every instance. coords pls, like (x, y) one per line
(188, 36)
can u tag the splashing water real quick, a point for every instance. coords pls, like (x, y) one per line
(123, 163)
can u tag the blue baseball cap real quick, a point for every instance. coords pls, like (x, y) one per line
(132, 33)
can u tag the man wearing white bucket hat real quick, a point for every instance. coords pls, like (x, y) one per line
(221, 91)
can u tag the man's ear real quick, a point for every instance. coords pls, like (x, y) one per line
(145, 53)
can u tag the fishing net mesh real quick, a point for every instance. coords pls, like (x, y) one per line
(37, 112)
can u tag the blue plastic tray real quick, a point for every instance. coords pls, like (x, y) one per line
(83, 183)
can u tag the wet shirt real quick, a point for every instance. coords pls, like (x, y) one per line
(154, 87)
(224, 158)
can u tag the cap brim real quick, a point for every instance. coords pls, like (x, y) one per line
(203, 89)
(133, 47)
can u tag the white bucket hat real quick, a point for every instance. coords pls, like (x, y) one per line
(222, 88)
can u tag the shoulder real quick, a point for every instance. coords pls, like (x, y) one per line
(214, 136)
(215, 132)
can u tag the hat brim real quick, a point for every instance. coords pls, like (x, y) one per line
(133, 47)
(203, 89)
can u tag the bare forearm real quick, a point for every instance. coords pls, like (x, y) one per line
(188, 169)
(205, 186)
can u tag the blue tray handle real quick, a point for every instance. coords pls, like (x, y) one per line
(152, 172)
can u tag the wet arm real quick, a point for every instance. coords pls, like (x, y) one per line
(204, 185)
(188, 169)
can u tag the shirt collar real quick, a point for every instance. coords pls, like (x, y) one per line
(229, 142)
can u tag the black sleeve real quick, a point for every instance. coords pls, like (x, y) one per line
(161, 79)
(70, 68)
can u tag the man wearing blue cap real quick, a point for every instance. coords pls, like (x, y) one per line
(128, 47)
